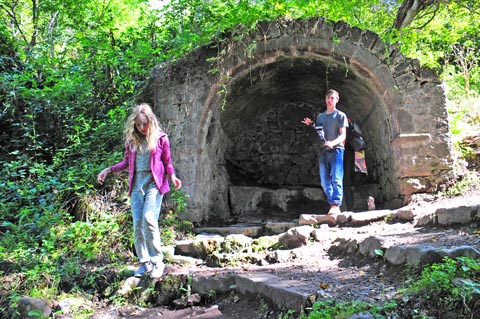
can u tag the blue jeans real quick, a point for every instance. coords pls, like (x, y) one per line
(331, 175)
(146, 207)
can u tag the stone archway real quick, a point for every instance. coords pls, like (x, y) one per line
(236, 134)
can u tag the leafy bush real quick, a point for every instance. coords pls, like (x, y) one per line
(172, 226)
(468, 182)
(451, 286)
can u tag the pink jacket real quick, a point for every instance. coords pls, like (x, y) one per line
(160, 164)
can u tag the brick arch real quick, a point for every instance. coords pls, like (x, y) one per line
(241, 128)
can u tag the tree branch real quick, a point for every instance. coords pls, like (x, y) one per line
(11, 13)
(410, 9)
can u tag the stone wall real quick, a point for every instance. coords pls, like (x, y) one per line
(233, 115)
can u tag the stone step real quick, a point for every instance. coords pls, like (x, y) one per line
(395, 243)
(391, 244)
(261, 286)
(400, 240)
(393, 240)
(282, 294)
(345, 219)
(414, 255)
(248, 229)
(444, 216)
(236, 229)
(349, 219)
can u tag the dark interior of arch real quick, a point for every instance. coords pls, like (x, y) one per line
(268, 145)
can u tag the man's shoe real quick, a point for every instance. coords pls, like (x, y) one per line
(334, 210)
(157, 270)
(144, 268)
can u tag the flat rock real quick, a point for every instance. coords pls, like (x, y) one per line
(237, 229)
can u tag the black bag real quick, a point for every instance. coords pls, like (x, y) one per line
(320, 133)
(355, 138)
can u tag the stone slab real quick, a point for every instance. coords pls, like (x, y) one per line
(283, 294)
(247, 230)
(371, 216)
(275, 228)
(313, 219)
(196, 247)
(220, 283)
(356, 219)
(457, 215)
(418, 255)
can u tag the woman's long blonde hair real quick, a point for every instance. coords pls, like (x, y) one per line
(133, 136)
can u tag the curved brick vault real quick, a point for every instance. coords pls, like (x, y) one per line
(233, 114)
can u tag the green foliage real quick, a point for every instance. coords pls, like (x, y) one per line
(188, 24)
(330, 309)
(187, 289)
(264, 307)
(264, 243)
(452, 285)
(448, 43)
(379, 252)
(289, 314)
(464, 118)
(466, 183)
(178, 200)
(211, 296)
(172, 226)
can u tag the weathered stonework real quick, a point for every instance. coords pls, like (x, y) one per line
(233, 115)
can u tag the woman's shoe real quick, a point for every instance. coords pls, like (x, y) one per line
(144, 268)
(157, 270)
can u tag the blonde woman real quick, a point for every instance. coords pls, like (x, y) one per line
(147, 158)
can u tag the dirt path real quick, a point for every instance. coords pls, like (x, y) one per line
(344, 277)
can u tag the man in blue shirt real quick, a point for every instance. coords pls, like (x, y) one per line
(333, 124)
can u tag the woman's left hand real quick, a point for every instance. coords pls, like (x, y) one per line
(176, 182)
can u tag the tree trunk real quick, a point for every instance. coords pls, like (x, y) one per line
(409, 10)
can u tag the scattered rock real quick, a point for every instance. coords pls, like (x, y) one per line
(33, 308)
(295, 237)
(187, 301)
